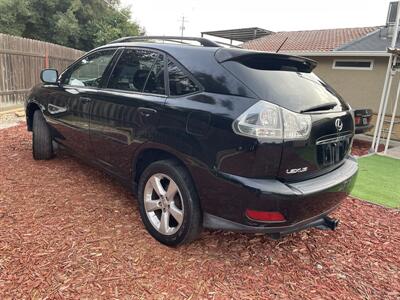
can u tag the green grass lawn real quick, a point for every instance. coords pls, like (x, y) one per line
(378, 180)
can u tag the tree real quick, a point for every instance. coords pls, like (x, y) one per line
(80, 24)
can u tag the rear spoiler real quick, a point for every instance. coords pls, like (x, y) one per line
(266, 60)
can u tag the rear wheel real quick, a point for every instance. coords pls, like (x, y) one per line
(42, 147)
(168, 203)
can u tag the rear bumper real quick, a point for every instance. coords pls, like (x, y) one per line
(214, 222)
(304, 204)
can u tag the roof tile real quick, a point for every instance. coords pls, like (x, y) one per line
(310, 40)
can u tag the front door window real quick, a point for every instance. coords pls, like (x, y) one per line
(89, 71)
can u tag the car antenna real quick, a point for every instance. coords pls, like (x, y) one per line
(282, 44)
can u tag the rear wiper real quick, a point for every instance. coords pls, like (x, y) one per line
(324, 106)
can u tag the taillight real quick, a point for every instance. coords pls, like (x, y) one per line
(265, 216)
(357, 120)
(265, 120)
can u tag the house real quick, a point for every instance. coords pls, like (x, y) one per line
(354, 61)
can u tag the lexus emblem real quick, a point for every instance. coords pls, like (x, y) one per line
(339, 124)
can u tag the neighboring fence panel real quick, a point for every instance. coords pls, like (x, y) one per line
(21, 61)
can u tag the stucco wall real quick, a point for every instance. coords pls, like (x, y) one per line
(361, 88)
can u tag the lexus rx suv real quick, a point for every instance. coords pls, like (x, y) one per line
(205, 136)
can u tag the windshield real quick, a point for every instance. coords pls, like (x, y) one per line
(295, 91)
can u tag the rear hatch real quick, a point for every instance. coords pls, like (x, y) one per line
(288, 82)
(324, 150)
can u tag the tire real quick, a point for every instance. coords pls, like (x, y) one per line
(42, 147)
(180, 228)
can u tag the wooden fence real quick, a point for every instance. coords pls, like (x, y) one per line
(21, 61)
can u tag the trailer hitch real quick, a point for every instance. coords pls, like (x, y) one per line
(328, 223)
(324, 223)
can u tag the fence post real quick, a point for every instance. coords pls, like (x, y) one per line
(46, 57)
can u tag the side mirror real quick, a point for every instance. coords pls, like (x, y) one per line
(49, 76)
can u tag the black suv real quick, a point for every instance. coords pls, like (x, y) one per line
(206, 136)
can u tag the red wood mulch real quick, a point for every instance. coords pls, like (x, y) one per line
(68, 231)
(361, 148)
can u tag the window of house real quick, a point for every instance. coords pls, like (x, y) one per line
(89, 70)
(139, 70)
(179, 82)
(353, 64)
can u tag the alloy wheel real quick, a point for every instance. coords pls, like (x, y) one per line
(163, 204)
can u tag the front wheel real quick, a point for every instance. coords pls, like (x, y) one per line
(168, 203)
(42, 147)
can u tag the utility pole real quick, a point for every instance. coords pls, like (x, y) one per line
(182, 27)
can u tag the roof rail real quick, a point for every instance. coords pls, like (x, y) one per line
(203, 41)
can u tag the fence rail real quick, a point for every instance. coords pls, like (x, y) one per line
(21, 61)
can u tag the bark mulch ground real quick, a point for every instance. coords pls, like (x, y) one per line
(361, 148)
(68, 231)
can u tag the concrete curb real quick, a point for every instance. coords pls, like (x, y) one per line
(14, 110)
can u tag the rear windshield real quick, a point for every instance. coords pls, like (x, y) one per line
(293, 90)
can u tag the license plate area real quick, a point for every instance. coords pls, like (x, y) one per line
(331, 151)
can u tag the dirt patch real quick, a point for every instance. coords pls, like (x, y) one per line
(11, 119)
(69, 231)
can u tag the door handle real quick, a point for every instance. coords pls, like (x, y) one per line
(85, 99)
(146, 112)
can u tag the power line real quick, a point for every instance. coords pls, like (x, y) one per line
(111, 6)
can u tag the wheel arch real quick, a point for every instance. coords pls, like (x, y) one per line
(30, 110)
(153, 152)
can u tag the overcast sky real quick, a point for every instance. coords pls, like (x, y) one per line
(162, 17)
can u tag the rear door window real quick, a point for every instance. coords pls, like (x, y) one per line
(179, 82)
(138, 70)
(155, 82)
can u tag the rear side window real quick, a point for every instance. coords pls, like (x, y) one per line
(179, 82)
(139, 71)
